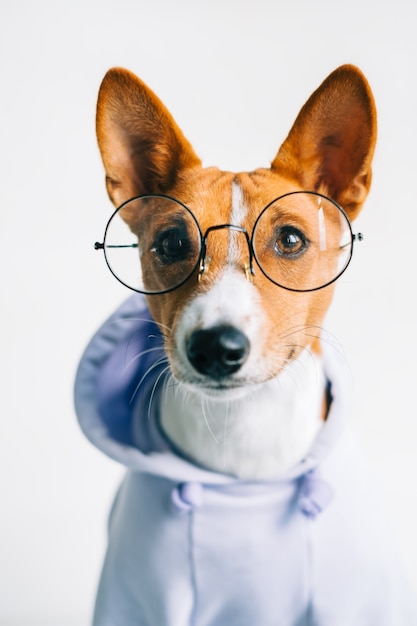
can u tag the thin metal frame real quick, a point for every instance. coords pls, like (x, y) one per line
(201, 258)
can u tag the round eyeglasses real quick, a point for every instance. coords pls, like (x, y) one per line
(301, 241)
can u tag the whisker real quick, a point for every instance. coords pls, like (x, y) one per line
(205, 402)
(294, 330)
(320, 333)
(140, 354)
(171, 382)
(148, 320)
(298, 368)
(164, 331)
(226, 420)
(154, 386)
(155, 365)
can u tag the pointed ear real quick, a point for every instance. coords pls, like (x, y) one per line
(331, 144)
(142, 148)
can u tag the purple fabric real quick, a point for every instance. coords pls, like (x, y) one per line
(128, 377)
(187, 496)
(315, 494)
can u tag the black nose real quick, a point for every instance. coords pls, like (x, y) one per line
(217, 352)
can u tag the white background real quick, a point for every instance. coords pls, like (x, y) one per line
(234, 75)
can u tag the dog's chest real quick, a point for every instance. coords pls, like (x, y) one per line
(257, 436)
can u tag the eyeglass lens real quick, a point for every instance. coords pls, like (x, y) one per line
(152, 244)
(302, 241)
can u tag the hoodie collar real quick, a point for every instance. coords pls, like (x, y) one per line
(118, 376)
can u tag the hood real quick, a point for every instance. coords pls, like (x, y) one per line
(119, 377)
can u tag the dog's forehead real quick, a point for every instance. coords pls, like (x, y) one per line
(219, 197)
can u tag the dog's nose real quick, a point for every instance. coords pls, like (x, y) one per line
(217, 352)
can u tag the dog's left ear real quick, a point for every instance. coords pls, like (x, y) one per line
(142, 148)
(330, 146)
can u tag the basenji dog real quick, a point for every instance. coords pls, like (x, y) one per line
(242, 336)
(245, 501)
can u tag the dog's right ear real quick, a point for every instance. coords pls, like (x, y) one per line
(142, 148)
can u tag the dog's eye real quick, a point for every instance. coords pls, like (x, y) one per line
(172, 245)
(290, 241)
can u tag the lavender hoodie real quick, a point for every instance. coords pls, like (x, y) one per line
(190, 547)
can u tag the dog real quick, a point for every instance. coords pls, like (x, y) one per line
(246, 501)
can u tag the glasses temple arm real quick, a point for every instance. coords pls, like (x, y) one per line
(100, 246)
(355, 237)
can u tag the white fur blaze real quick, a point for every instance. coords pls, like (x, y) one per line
(238, 214)
(233, 301)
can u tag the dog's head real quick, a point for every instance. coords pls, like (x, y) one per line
(237, 320)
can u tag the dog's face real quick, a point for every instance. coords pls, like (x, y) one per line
(231, 330)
